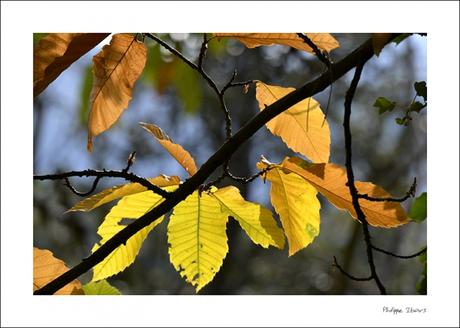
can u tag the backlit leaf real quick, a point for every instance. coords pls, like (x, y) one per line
(302, 127)
(48, 268)
(323, 41)
(116, 192)
(417, 211)
(330, 180)
(294, 199)
(182, 156)
(116, 68)
(57, 51)
(100, 288)
(384, 105)
(256, 221)
(129, 207)
(197, 238)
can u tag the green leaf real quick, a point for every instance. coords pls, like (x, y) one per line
(85, 93)
(400, 38)
(384, 105)
(421, 284)
(100, 288)
(420, 88)
(417, 211)
(400, 121)
(416, 107)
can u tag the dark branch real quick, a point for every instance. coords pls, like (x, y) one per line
(351, 180)
(399, 256)
(203, 49)
(410, 193)
(337, 70)
(322, 56)
(79, 193)
(104, 174)
(337, 265)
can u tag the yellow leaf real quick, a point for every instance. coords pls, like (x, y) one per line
(294, 199)
(302, 127)
(129, 207)
(330, 180)
(182, 156)
(116, 192)
(379, 40)
(323, 41)
(48, 268)
(116, 68)
(197, 238)
(57, 51)
(256, 221)
(101, 287)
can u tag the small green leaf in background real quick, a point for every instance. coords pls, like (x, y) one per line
(420, 88)
(416, 107)
(101, 287)
(421, 284)
(87, 84)
(384, 105)
(417, 211)
(400, 38)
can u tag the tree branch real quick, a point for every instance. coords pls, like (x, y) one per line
(104, 174)
(322, 56)
(362, 53)
(399, 256)
(410, 193)
(351, 180)
(345, 273)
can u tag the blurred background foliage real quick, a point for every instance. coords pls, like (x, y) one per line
(176, 98)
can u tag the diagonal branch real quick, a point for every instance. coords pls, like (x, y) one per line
(351, 180)
(410, 193)
(399, 256)
(337, 70)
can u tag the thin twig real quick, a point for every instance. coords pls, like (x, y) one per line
(79, 193)
(399, 256)
(337, 265)
(351, 180)
(103, 174)
(322, 56)
(204, 47)
(410, 193)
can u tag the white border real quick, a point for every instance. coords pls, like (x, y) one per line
(20, 19)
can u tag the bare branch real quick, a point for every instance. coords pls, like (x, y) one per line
(410, 193)
(351, 180)
(399, 256)
(322, 56)
(104, 174)
(337, 265)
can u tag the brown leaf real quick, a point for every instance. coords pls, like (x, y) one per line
(330, 180)
(323, 41)
(180, 154)
(116, 68)
(48, 268)
(379, 40)
(57, 51)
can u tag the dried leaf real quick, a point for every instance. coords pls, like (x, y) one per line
(182, 156)
(302, 127)
(380, 40)
(48, 268)
(57, 51)
(323, 41)
(330, 180)
(116, 68)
